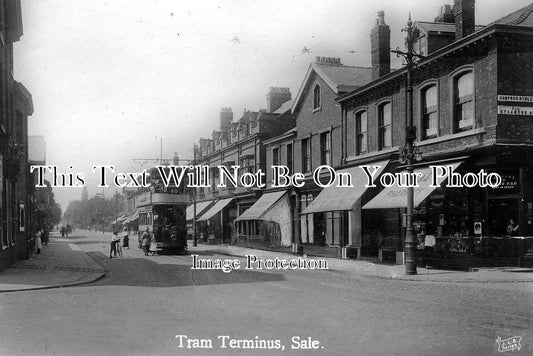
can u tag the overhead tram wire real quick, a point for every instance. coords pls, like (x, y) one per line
(314, 51)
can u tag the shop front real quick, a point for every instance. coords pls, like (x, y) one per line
(336, 211)
(457, 227)
(268, 222)
(213, 224)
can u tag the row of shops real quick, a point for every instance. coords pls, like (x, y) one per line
(471, 110)
(469, 223)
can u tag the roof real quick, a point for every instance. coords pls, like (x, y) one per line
(281, 137)
(521, 17)
(339, 78)
(439, 26)
(286, 106)
(267, 116)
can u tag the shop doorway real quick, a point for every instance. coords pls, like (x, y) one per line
(502, 210)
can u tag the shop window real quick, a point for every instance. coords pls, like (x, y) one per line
(306, 155)
(316, 97)
(430, 115)
(361, 133)
(325, 148)
(463, 94)
(385, 125)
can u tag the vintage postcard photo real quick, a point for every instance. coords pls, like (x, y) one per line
(266, 177)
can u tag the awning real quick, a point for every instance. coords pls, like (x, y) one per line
(132, 217)
(261, 206)
(219, 205)
(121, 218)
(343, 198)
(200, 208)
(396, 197)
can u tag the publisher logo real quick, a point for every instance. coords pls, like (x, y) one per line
(510, 344)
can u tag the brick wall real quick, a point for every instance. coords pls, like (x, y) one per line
(311, 123)
(501, 66)
(514, 73)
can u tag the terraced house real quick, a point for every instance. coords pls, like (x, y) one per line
(237, 143)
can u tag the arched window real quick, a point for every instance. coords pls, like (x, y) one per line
(385, 125)
(463, 94)
(430, 114)
(361, 145)
(316, 97)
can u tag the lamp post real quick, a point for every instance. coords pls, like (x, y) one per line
(409, 151)
(195, 235)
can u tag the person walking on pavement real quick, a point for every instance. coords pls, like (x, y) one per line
(125, 238)
(146, 241)
(114, 240)
(38, 241)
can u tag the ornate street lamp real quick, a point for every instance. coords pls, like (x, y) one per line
(409, 152)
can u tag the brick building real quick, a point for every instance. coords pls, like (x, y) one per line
(473, 110)
(318, 141)
(315, 141)
(16, 182)
(237, 143)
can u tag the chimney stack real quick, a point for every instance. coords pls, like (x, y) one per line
(276, 97)
(446, 14)
(464, 18)
(380, 42)
(226, 117)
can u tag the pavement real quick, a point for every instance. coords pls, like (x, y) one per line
(62, 263)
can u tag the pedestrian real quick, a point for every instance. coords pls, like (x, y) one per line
(38, 242)
(125, 238)
(512, 228)
(45, 234)
(113, 248)
(146, 241)
(153, 246)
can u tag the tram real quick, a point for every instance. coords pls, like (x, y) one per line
(162, 210)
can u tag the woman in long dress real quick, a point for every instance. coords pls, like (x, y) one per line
(38, 241)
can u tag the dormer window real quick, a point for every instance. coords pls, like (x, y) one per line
(316, 97)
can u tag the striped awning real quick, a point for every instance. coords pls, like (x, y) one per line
(261, 206)
(201, 207)
(396, 197)
(219, 205)
(343, 198)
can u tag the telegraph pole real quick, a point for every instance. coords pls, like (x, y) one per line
(195, 235)
(409, 151)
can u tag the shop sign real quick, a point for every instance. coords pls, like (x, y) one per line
(510, 184)
(515, 110)
(516, 98)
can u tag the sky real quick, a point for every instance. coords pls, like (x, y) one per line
(114, 81)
